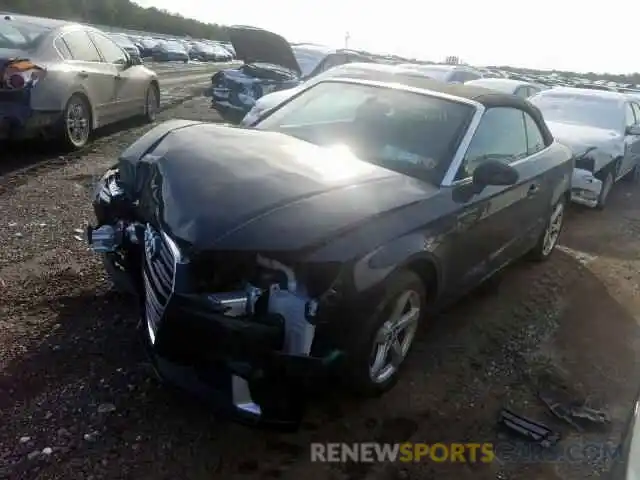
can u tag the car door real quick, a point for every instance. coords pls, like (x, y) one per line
(92, 75)
(493, 223)
(131, 82)
(634, 145)
(631, 141)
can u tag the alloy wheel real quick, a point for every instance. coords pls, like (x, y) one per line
(394, 338)
(152, 104)
(552, 233)
(77, 122)
(606, 189)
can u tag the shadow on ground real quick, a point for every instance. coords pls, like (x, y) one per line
(550, 325)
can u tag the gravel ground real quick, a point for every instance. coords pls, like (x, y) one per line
(77, 400)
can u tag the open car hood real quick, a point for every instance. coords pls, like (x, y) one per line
(253, 45)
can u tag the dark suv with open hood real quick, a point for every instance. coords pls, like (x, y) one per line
(270, 64)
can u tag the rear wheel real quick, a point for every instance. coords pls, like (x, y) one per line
(152, 103)
(76, 122)
(549, 238)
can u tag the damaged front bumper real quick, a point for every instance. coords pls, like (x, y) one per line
(248, 352)
(585, 188)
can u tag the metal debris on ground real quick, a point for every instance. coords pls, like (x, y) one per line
(528, 428)
(571, 412)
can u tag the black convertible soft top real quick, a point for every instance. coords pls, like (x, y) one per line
(405, 76)
(488, 98)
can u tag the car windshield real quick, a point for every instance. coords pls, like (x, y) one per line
(122, 41)
(579, 109)
(21, 36)
(308, 59)
(407, 132)
(203, 47)
(148, 43)
(174, 47)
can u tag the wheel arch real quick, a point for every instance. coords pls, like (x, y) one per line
(426, 269)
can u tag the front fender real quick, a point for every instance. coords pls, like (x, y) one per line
(408, 251)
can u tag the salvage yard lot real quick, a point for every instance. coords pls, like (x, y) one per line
(74, 380)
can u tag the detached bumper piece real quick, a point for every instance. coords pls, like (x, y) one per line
(255, 367)
(527, 428)
(585, 188)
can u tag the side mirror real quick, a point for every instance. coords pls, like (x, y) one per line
(633, 130)
(493, 172)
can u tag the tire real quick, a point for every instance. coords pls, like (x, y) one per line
(152, 103)
(551, 234)
(76, 128)
(633, 176)
(607, 185)
(366, 353)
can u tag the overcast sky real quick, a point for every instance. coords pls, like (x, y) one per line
(562, 34)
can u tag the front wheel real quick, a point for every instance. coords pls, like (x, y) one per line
(634, 175)
(607, 185)
(387, 336)
(549, 238)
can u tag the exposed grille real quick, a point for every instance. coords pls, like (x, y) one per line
(159, 277)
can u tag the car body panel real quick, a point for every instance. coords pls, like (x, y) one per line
(516, 87)
(255, 45)
(224, 199)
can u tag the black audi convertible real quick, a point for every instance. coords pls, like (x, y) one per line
(315, 243)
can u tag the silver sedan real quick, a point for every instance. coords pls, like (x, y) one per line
(63, 80)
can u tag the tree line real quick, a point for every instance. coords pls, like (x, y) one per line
(117, 13)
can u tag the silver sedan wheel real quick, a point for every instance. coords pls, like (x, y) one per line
(78, 122)
(152, 104)
(395, 336)
(553, 229)
(606, 189)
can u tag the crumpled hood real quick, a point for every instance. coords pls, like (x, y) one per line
(215, 187)
(581, 137)
(253, 45)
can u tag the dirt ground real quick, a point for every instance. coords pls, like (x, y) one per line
(77, 400)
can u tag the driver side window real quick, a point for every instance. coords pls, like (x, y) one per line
(500, 136)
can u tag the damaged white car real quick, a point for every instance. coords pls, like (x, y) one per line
(603, 130)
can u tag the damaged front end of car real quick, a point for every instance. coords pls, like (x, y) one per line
(239, 330)
(585, 184)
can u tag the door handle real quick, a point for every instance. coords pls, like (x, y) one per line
(83, 74)
(533, 189)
